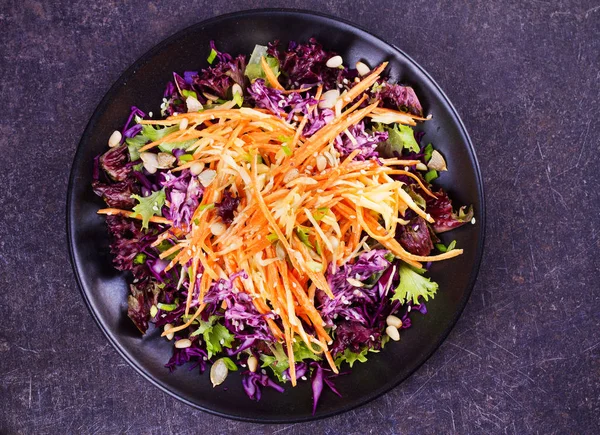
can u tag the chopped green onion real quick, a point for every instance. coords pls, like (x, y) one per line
(283, 138)
(320, 213)
(302, 233)
(431, 175)
(188, 94)
(212, 56)
(286, 149)
(167, 307)
(164, 245)
(238, 99)
(153, 311)
(272, 237)
(187, 318)
(315, 266)
(250, 158)
(186, 158)
(427, 152)
(229, 364)
(206, 207)
(140, 258)
(441, 247)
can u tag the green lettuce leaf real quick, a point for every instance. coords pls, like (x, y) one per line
(351, 357)
(278, 362)
(412, 285)
(149, 133)
(302, 352)
(149, 206)
(399, 137)
(215, 335)
(254, 69)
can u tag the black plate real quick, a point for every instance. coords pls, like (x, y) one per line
(105, 290)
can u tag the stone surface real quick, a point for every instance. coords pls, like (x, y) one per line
(525, 355)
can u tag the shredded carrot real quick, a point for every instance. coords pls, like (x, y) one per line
(269, 74)
(363, 85)
(130, 214)
(293, 222)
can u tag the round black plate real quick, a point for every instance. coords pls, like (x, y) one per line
(105, 290)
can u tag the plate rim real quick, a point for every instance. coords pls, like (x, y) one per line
(245, 13)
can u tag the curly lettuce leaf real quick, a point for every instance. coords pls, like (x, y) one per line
(149, 206)
(215, 335)
(351, 357)
(412, 285)
(149, 133)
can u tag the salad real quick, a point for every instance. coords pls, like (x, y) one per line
(278, 218)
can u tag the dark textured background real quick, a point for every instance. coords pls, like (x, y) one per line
(524, 357)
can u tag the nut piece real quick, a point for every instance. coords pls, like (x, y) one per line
(335, 243)
(292, 174)
(280, 251)
(252, 363)
(183, 124)
(237, 89)
(115, 139)
(183, 343)
(437, 162)
(334, 62)
(207, 177)
(393, 333)
(321, 163)
(167, 327)
(394, 321)
(197, 168)
(218, 228)
(165, 160)
(218, 372)
(150, 161)
(193, 105)
(355, 282)
(362, 69)
(328, 99)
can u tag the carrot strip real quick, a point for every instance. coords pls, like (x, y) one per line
(131, 214)
(363, 85)
(270, 75)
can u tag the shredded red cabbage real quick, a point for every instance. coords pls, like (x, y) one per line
(359, 139)
(252, 383)
(279, 103)
(227, 206)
